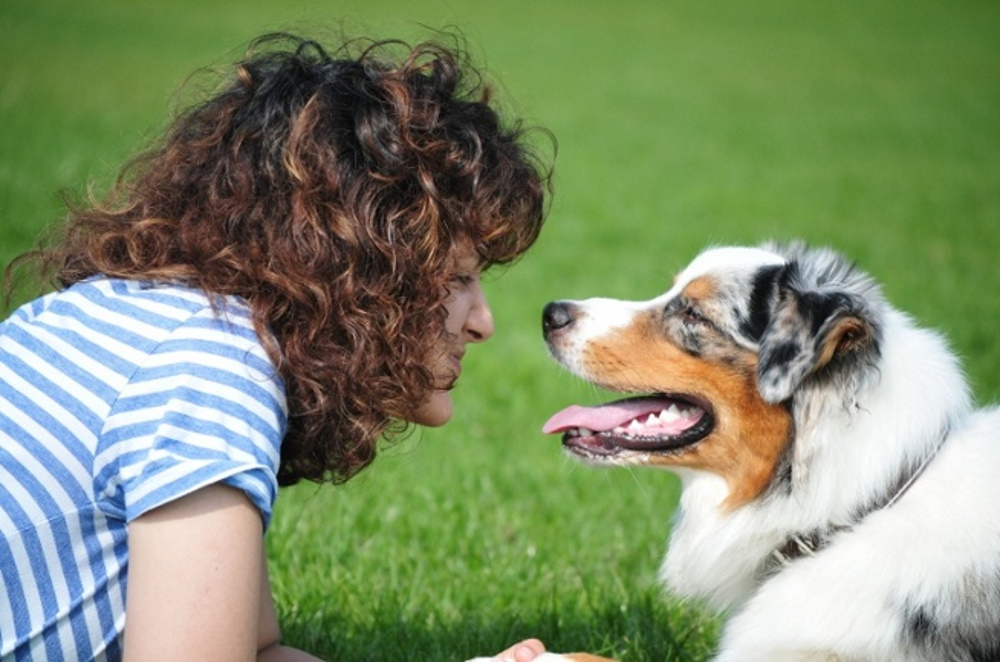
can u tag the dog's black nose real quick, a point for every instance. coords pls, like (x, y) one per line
(556, 315)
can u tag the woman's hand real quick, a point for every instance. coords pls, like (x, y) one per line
(533, 650)
(526, 651)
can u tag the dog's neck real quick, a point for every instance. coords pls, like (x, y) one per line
(808, 543)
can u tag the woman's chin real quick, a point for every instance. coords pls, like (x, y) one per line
(436, 411)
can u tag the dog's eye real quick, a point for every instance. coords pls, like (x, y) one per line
(685, 312)
(691, 316)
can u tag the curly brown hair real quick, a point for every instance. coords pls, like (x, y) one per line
(329, 192)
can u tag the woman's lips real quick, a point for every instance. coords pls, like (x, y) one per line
(455, 364)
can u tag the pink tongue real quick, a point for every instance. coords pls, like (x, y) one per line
(603, 417)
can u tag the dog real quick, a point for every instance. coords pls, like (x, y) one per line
(841, 495)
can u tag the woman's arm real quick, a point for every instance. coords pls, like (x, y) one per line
(198, 587)
(197, 583)
(269, 648)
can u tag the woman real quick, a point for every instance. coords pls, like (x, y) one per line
(290, 275)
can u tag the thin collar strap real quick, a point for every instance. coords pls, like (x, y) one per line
(809, 543)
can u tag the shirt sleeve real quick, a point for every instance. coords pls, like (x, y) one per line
(206, 407)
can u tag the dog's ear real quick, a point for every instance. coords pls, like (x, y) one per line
(810, 331)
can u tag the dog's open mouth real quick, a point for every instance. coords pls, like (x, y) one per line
(648, 423)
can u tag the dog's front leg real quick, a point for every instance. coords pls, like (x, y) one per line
(772, 656)
(814, 612)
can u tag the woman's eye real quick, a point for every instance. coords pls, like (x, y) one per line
(461, 281)
(471, 276)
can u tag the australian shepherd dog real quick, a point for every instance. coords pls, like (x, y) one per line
(841, 496)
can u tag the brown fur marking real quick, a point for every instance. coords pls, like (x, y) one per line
(750, 435)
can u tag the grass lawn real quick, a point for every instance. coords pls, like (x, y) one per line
(872, 126)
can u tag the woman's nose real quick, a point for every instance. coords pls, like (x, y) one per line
(479, 323)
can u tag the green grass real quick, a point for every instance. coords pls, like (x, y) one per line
(871, 126)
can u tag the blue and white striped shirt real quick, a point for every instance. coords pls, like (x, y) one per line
(117, 397)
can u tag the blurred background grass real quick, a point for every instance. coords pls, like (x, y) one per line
(873, 126)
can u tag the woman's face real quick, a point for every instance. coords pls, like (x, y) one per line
(469, 320)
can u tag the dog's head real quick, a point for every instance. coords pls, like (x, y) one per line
(714, 366)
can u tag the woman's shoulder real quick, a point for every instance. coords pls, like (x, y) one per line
(155, 309)
(168, 298)
(135, 319)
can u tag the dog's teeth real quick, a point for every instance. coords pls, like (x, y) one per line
(619, 430)
(585, 432)
(670, 415)
(652, 420)
(635, 426)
